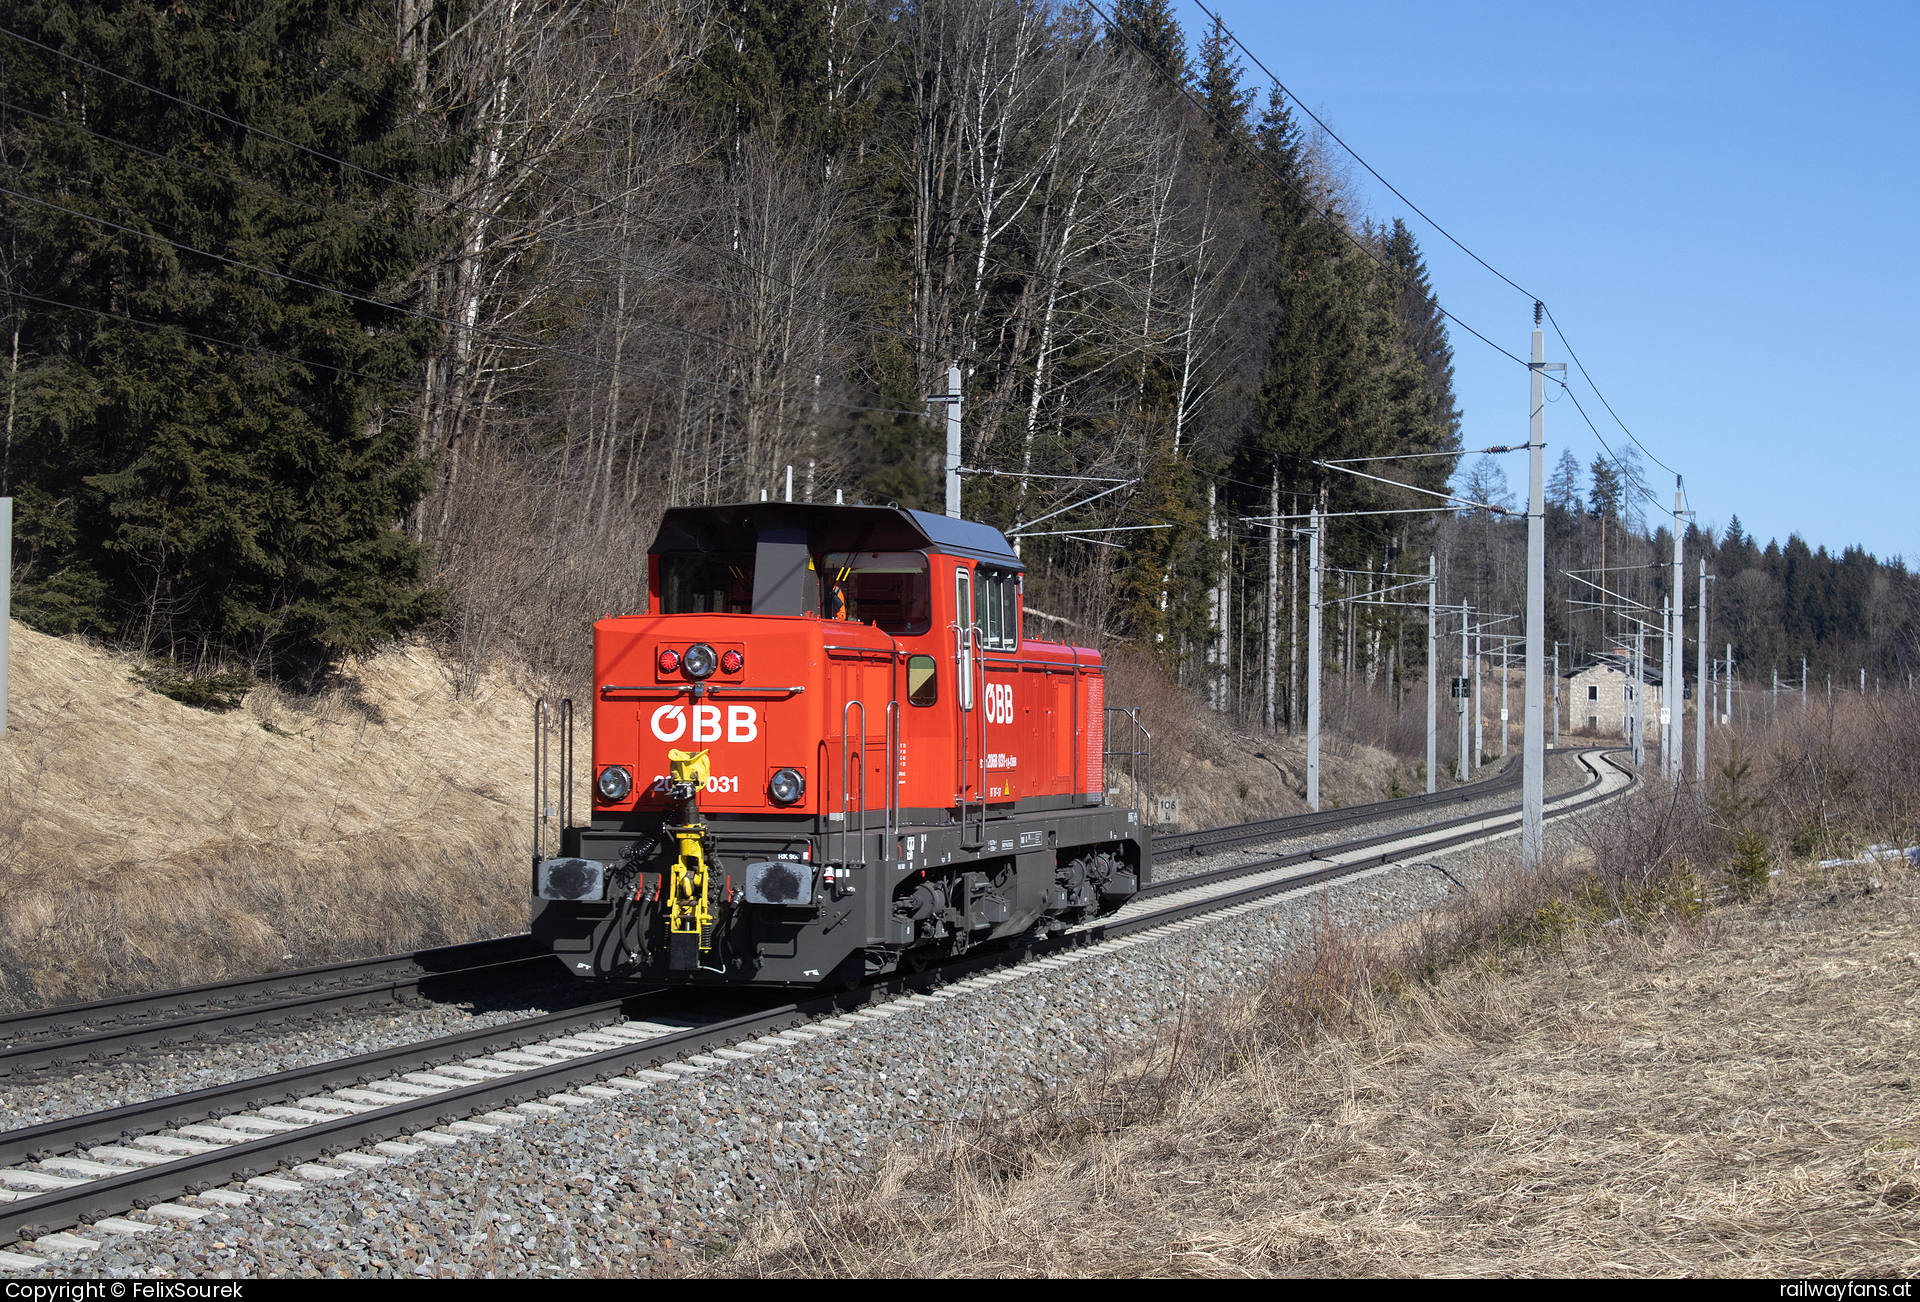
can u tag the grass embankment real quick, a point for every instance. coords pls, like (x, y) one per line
(1222, 775)
(1659, 1056)
(146, 843)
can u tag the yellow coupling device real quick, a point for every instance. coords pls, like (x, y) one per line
(689, 887)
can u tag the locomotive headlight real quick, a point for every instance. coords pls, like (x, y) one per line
(669, 660)
(700, 660)
(732, 662)
(615, 783)
(787, 786)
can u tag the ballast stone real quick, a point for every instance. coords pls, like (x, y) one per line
(65, 1243)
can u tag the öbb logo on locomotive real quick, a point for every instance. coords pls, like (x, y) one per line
(670, 723)
(822, 750)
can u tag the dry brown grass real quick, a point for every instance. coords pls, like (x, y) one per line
(1613, 1066)
(1223, 775)
(1723, 1096)
(145, 843)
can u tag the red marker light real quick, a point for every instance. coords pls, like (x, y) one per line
(669, 661)
(732, 662)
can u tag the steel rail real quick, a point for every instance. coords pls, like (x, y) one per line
(74, 1033)
(102, 1046)
(134, 1119)
(444, 960)
(110, 1194)
(1273, 829)
(1228, 873)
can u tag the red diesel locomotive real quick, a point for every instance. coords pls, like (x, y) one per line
(825, 751)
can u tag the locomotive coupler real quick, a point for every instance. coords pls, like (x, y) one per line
(690, 913)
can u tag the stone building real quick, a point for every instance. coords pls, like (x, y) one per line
(1597, 697)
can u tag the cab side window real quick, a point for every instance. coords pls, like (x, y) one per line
(891, 590)
(999, 619)
(923, 685)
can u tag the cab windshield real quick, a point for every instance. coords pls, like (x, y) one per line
(890, 590)
(706, 583)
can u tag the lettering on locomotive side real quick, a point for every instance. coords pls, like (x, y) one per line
(999, 703)
(669, 723)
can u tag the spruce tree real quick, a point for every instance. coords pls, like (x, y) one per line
(211, 456)
(1228, 101)
(1423, 325)
(1604, 498)
(1563, 489)
(1150, 26)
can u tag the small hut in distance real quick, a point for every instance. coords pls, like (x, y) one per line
(1600, 694)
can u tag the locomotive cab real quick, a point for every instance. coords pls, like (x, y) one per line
(823, 749)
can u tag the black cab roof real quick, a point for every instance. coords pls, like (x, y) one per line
(830, 528)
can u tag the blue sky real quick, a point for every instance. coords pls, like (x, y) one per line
(1717, 202)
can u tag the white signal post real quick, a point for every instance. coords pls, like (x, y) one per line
(1433, 671)
(1700, 706)
(1313, 659)
(1556, 697)
(1666, 685)
(1465, 693)
(1479, 717)
(951, 400)
(1674, 690)
(1533, 754)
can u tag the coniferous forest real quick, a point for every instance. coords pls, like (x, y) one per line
(328, 321)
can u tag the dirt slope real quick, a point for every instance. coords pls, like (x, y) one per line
(144, 842)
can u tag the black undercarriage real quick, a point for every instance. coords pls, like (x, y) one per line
(797, 905)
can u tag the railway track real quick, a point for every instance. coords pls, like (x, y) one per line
(1208, 840)
(93, 1168)
(108, 1029)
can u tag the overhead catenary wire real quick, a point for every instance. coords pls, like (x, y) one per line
(1025, 474)
(1448, 235)
(369, 224)
(440, 320)
(1451, 497)
(1267, 166)
(1421, 456)
(1644, 490)
(425, 192)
